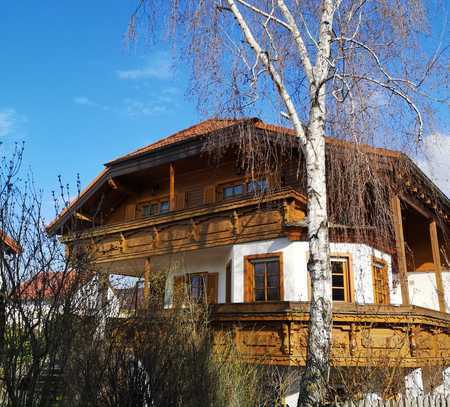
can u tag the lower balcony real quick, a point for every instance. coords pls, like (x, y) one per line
(378, 335)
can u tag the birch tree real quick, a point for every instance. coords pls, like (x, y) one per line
(354, 69)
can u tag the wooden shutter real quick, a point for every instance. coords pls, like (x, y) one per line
(212, 287)
(179, 285)
(130, 212)
(209, 194)
(228, 283)
(248, 281)
(180, 200)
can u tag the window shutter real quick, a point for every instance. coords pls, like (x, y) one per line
(130, 212)
(209, 194)
(228, 283)
(178, 289)
(212, 282)
(248, 282)
(180, 200)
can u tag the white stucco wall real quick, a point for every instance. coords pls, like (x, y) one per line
(294, 261)
(423, 292)
(295, 255)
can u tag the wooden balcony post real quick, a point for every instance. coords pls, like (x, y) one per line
(146, 282)
(437, 265)
(400, 248)
(172, 188)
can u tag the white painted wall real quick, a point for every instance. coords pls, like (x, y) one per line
(294, 261)
(295, 254)
(423, 292)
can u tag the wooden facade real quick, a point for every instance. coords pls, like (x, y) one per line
(169, 198)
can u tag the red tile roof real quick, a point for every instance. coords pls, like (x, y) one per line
(46, 285)
(198, 130)
(10, 243)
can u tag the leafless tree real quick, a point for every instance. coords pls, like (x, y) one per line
(354, 68)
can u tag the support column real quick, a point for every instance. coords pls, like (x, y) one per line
(437, 265)
(400, 247)
(146, 282)
(172, 187)
(414, 383)
(103, 290)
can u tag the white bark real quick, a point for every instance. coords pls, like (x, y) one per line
(313, 384)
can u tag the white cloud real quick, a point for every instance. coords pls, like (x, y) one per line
(85, 101)
(8, 120)
(158, 67)
(436, 160)
(135, 107)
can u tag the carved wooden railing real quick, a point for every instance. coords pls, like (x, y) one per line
(407, 336)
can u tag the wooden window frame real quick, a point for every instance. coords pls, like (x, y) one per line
(375, 261)
(158, 201)
(249, 292)
(350, 277)
(244, 181)
(349, 280)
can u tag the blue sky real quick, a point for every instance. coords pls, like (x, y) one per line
(79, 97)
(76, 94)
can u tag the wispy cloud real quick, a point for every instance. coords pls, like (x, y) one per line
(435, 162)
(85, 101)
(8, 118)
(158, 67)
(135, 107)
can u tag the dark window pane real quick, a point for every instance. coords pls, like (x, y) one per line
(238, 189)
(227, 192)
(338, 294)
(273, 279)
(164, 207)
(273, 294)
(338, 280)
(259, 295)
(196, 285)
(259, 267)
(259, 280)
(146, 210)
(273, 266)
(257, 186)
(337, 267)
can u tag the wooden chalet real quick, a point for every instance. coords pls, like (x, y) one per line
(169, 206)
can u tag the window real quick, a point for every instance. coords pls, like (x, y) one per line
(197, 287)
(232, 191)
(380, 282)
(238, 188)
(257, 186)
(341, 281)
(155, 208)
(263, 278)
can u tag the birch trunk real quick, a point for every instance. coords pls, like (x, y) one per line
(313, 386)
(314, 381)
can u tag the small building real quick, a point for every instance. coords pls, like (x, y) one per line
(239, 239)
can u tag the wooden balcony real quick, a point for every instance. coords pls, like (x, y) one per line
(226, 222)
(276, 333)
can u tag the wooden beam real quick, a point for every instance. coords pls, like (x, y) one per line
(80, 216)
(400, 248)
(437, 265)
(172, 188)
(117, 186)
(146, 282)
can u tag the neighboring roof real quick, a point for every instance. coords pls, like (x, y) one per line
(206, 128)
(46, 285)
(11, 245)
